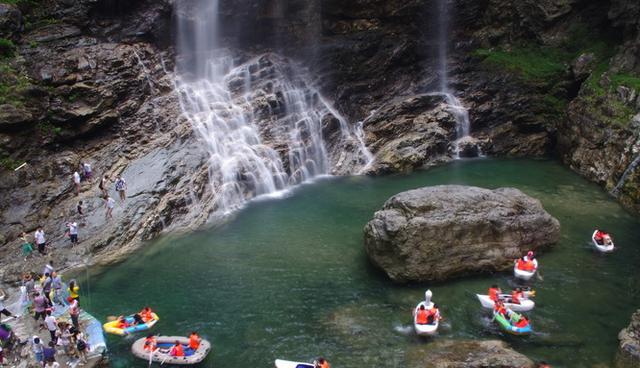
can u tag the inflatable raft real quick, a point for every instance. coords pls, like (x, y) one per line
(161, 354)
(523, 274)
(506, 325)
(524, 306)
(291, 364)
(604, 248)
(112, 327)
(422, 329)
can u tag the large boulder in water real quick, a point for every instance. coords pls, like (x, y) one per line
(435, 233)
(467, 354)
(629, 349)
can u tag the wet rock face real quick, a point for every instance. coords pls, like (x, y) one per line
(628, 355)
(467, 354)
(410, 133)
(436, 233)
(10, 20)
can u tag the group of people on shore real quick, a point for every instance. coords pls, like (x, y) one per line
(42, 295)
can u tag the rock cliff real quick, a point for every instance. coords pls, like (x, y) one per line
(629, 349)
(436, 233)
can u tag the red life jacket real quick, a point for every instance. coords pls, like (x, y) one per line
(177, 350)
(522, 323)
(150, 344)
(422, 316)
(493, 294)
(515, 297)
(194, 341)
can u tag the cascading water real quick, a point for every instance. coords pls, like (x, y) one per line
(262, 121)
(628, 171)
(461, 114)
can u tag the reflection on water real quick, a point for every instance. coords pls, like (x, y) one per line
(289, 278)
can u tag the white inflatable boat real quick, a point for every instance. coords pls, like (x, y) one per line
(425, 329)
(606, 247)
(161, 354)
(523, 274)
(291, 364)
(524, 306)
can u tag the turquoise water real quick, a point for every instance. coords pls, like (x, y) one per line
(289, 278)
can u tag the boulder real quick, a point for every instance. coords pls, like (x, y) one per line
(466, 354)
(628, 355)
(435, 233)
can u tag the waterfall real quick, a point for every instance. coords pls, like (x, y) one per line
(262, 121)
(460, 113)
(628, 171)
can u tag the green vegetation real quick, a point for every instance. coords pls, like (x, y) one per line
(12, 84)
(534, 65)
(48, 129)
(7, 48)
(600, 95)
(8, 163)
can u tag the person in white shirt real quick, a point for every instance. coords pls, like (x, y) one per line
(76, 182)
(121, 187)
(73, 231)
(109, 203)
(52, 325)
(40, 240)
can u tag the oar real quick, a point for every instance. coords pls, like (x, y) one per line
(539, 276)
(150, 357)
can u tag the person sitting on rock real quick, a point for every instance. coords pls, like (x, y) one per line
(177, 350)
(422, 316)
(494, 293)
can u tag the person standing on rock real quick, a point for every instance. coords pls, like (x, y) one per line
(40, 240)
(104, 183)
(39, 306)
(86, 170)
(121, 187)
(109, 203)
(73, 232)
(52, 325)
(74, 312)
(38, 350)
(76, 182)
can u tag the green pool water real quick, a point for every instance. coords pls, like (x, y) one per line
(289, 278)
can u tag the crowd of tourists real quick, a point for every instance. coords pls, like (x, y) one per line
(55, 310)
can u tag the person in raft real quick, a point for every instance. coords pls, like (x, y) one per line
(526, 263)
(494, 293)
(194, 341)
(142, 317)
(516, 296)
(122, 322)
(321, 363)
(150, 343)
(499, 308)
(433, 315)
(176, 350)
(602, 237)
(422, 316)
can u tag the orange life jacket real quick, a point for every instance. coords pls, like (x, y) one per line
(422, 317)
(194, 341)
(177, 350)
(521, 264)
(493, 294)
(123, 324)
(522, 323)
(500, 309)
(146, 315)
(150, 344)
(515, 297)
(325, 364)
(529, 266)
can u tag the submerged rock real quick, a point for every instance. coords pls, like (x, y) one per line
(435, 233)
(467, 354)
(629, 348)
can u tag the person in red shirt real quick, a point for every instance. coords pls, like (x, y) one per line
(494, 293)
